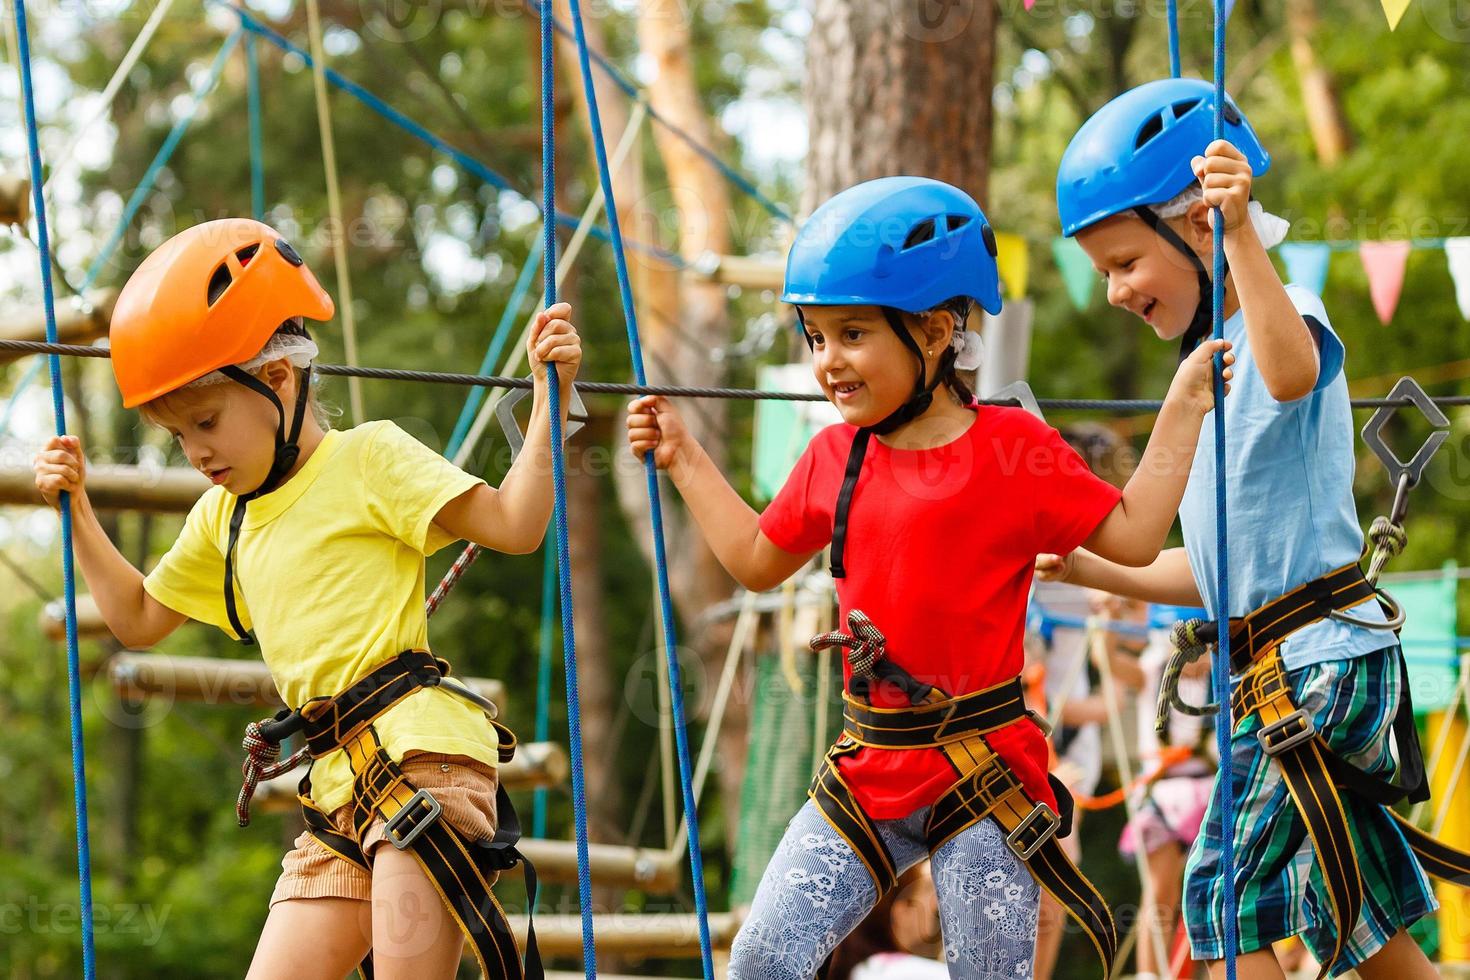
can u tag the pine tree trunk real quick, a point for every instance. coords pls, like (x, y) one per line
(685, 321)
(899, 89)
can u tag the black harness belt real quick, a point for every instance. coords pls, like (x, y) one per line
(1314, 775)
(1263, 630)
(984, 786)
(461, 870)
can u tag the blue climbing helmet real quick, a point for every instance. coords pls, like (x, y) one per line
(909, 243)
(1136, 150)
(904, 245)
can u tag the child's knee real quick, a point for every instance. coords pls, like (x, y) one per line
(753, 956)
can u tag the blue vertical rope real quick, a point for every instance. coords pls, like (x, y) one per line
(68, 571)
(492, 353)
(1174, 69)
(558, 476)
(543, 684)
(257, 152)
(1224, 725)
(630, 316)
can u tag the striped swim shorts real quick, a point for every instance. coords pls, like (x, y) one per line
(1279, 888)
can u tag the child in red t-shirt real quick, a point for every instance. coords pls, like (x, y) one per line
(935, 508)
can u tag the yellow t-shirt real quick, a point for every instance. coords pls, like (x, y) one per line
(329, 573)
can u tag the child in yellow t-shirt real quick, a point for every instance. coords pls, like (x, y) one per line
(311, 543)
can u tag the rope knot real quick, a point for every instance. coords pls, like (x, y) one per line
(261, 755)
(1185, 639)
(863, 647)
(1189, 646)
(1389, 540)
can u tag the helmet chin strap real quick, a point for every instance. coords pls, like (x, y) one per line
(1202, 323)
(287, 451)
(286, 455)
(923, 395)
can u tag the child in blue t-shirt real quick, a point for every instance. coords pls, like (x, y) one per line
(1136, 188)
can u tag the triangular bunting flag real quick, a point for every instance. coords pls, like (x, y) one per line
(1077, 271)
(1029, 3)
(1306, 264)
(1457, 250)
(1014, 264)
(1229, 9)
(1384, 262)
(1394, 11)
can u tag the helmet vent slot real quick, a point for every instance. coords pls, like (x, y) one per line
(247, 253)
(219, 282)
(919, 234)
(1149, 130)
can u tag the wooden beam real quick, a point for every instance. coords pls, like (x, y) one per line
(646, 934)
(537, 765)
(170, 490)
(655, 871)
(78, 321)
(746, 271)
(215, 681)
(15, 199)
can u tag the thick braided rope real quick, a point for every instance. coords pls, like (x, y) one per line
(1388, 540)
(863, 647)
(1188, 647)
(261, 762)
(68, 570)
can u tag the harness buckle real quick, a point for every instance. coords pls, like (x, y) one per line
(403, 840)
(1286, 733)
(1034, 830)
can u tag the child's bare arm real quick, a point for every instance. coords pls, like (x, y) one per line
(1167, 580)
(513, 518)
(730, 525)
(1134, 531)
(138, 620)
(1285, 352)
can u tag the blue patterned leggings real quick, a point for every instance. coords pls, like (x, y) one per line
(816, 890)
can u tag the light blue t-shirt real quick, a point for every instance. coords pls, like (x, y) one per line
(1289, 493)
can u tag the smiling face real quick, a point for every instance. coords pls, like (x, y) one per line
(862, 366)
(1144, 274)
(226, 431)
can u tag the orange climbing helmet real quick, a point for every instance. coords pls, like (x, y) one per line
(209, 297)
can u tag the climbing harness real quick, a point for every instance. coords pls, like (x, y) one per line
(462, 870)
(984, 786)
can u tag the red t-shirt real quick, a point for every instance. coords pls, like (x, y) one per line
(941, 546)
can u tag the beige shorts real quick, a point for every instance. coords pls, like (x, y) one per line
(464, 787)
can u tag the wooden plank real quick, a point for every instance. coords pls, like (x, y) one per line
(170, 490)
(647, 934)
(215, 681)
